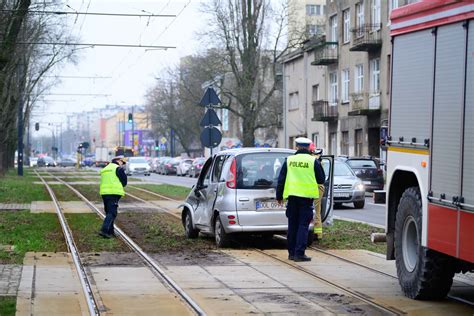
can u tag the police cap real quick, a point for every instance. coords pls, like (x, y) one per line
(120, 157)
(303, 142)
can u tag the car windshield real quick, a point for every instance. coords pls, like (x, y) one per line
(199, 161)
(341, 169)
(48, 159)
(188, 161)
(259, 170)
(138, 160)
(362, 163)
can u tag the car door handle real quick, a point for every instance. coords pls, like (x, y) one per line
(244, 199)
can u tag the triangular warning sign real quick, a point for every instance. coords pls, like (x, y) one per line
(210, 98)
(210, 118)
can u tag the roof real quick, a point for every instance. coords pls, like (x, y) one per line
(429, 13)
(249, 150)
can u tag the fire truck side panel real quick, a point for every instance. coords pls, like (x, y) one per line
(448, 111)
(468, 171)
(442, 223)
(466, 236)
(412, 89)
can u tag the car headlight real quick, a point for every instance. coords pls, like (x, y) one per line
(359, 186)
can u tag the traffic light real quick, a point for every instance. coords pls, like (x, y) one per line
(130, 117)
(37, 126)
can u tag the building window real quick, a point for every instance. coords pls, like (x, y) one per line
(333, 142)
(376, 19)
(312, 29)
(360, 18)
(359, 78)
(315, 95)
(316, 140)
(314, 9)
(347, 24)
(333, 25)
(375, 75)
(333, 88)
(345, 143)
(345, 86)
(293, 101)
(358, 142)
(392, 4)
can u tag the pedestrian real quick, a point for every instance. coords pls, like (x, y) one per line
(318, 224)
(112, 181)
(298, 184)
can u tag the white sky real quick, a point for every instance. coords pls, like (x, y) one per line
(132, 70)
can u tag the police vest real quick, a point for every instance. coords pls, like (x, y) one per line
(300, 178)
(109, 182)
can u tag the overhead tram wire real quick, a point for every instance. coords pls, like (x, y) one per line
(96, 13)
(98, 45)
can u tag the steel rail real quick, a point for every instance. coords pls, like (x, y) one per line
(149, 260)
(284, 238)
(85, 282)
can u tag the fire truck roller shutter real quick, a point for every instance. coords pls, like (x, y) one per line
(412, 90)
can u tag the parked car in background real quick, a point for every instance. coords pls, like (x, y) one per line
(33, 161)
(235, 193)
(46, 162)
(137, 165)
(183, 167)
(348, 188)
(171, 165)
(88, 162)
(67, 162)
(154, 163)
(161, 164)
(196, 167)
(368, 170)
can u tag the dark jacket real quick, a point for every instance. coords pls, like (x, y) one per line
(120, 172)
(318, 173)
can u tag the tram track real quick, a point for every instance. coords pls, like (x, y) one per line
(148, 260)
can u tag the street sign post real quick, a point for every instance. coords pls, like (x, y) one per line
(210, 136)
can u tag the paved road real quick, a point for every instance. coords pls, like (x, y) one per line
(371, 213)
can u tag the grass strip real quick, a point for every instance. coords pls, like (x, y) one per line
(92, 192)
(7, 305)
(74, 179)
(143, 195)
(85, 228)
(172, 191)
(29, 232)
(15, 189)
(349, 235)
(63, 193)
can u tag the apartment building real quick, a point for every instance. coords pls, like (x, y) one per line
(306, 18)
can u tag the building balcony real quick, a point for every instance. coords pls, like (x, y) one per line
(325, 54)
(366, 38)
(324, 112)
(365, 104)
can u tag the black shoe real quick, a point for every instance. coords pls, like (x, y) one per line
(291, 257)
(303, 258)
(101, 233)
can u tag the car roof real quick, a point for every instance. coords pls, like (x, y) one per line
(249, 150)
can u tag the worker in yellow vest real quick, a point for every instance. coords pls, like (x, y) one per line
(298, 184)
(112, 181)
(318, 224)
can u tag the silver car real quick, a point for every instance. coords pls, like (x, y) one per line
(235, 193)
(348, 188)
(137, 165)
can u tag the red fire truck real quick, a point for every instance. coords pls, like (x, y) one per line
(430, 169)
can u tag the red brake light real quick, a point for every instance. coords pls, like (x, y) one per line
(232, 178)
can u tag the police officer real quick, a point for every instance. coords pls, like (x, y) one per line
(112, 181)
(318, 225)
(298, 184)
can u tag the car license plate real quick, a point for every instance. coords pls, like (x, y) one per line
(341, 194)
(268, 205)
(367, 182)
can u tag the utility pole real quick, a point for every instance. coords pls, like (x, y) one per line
(133, 129)
(20, 118)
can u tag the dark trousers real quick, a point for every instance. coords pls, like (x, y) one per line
(110, 206)
(299, 212)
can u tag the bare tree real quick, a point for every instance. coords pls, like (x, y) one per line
(251, 35)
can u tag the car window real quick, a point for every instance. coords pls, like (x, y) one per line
(138, 160)
(363, 163)
(205, 172)
(259, 170)
(218, 164)
(342, 169)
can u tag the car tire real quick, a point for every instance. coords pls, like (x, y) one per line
(337, 205)
(359, 204)
(221, 237)
(422, 273)
(189, 231)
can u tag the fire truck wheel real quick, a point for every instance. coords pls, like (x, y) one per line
(422, 273)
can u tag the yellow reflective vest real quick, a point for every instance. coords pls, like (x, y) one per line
(109, 182)
(300, 178)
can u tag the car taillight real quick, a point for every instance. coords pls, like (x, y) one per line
(232, 177)
(168, 165)
(379, 172)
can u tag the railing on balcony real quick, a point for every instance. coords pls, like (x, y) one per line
(366, 37)
(324, 112)
(325, 54)
(363, 103)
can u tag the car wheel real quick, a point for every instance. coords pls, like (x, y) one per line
(189, 231)
(222, 238)
(337, 205)
(422, 273)
(359, 204)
